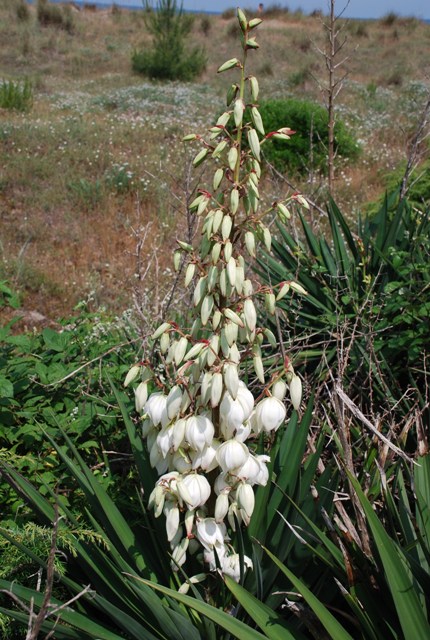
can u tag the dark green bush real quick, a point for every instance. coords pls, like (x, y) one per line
(17, 95)
(169, 59)
(310, 121)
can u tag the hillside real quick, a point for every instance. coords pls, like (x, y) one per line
(94, 177)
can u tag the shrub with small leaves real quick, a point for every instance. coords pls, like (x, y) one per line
(310, 122)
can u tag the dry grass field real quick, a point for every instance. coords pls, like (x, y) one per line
(94, 178)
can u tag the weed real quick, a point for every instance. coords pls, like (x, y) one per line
(22, 11)
(389, 19)
(53, 15)
(87, 193)
(17, 95)
(205, 25)
(228, 14)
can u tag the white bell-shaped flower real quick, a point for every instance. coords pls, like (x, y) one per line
(165, 440)
(221, 550)
(205, 459)
(269, 414)
(235, 412)
(155, 406)
(222, 483)
(230, 565)
(255, 471)
(199, 432)
(211, 533)
(195, 490)
(245, 501)
(179, 433)
(232, 454)
(181, 461)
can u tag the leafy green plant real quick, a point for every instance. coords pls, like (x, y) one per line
(168, 58)
(309, 121)
(16, 95)
(49, 380)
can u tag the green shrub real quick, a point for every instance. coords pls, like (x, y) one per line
(310, 121)
(168, 59)
(17, 95)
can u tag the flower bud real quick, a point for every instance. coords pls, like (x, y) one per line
(234, 200)
(141, 396)
(189, 273)
(216, 389)
(279, 389)
(132, 374)
(250, 314)
(218, 176)
(179, 554)
(238, 110)
(250, 243)
(226, 227)
(229, 64)
(296, 392)
(171, 512)
(161, 329)
(245, 501)
(254, 143)
(232, 158)
(231, 271)
(221, 507)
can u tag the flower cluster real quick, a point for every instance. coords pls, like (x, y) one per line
(201, 423)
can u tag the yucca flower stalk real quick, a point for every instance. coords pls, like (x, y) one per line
(201, 423)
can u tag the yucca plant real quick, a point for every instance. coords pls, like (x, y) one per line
(366, 315)
(192, 390)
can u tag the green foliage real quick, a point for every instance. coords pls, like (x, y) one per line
(367, 293)
(168, 59)
(57, 379)
(8, 297)
(16, 95)
(307, 149)
(53, 15)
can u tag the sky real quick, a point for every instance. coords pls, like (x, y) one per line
(355, 9)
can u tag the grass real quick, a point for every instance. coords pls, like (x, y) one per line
(92, 161)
